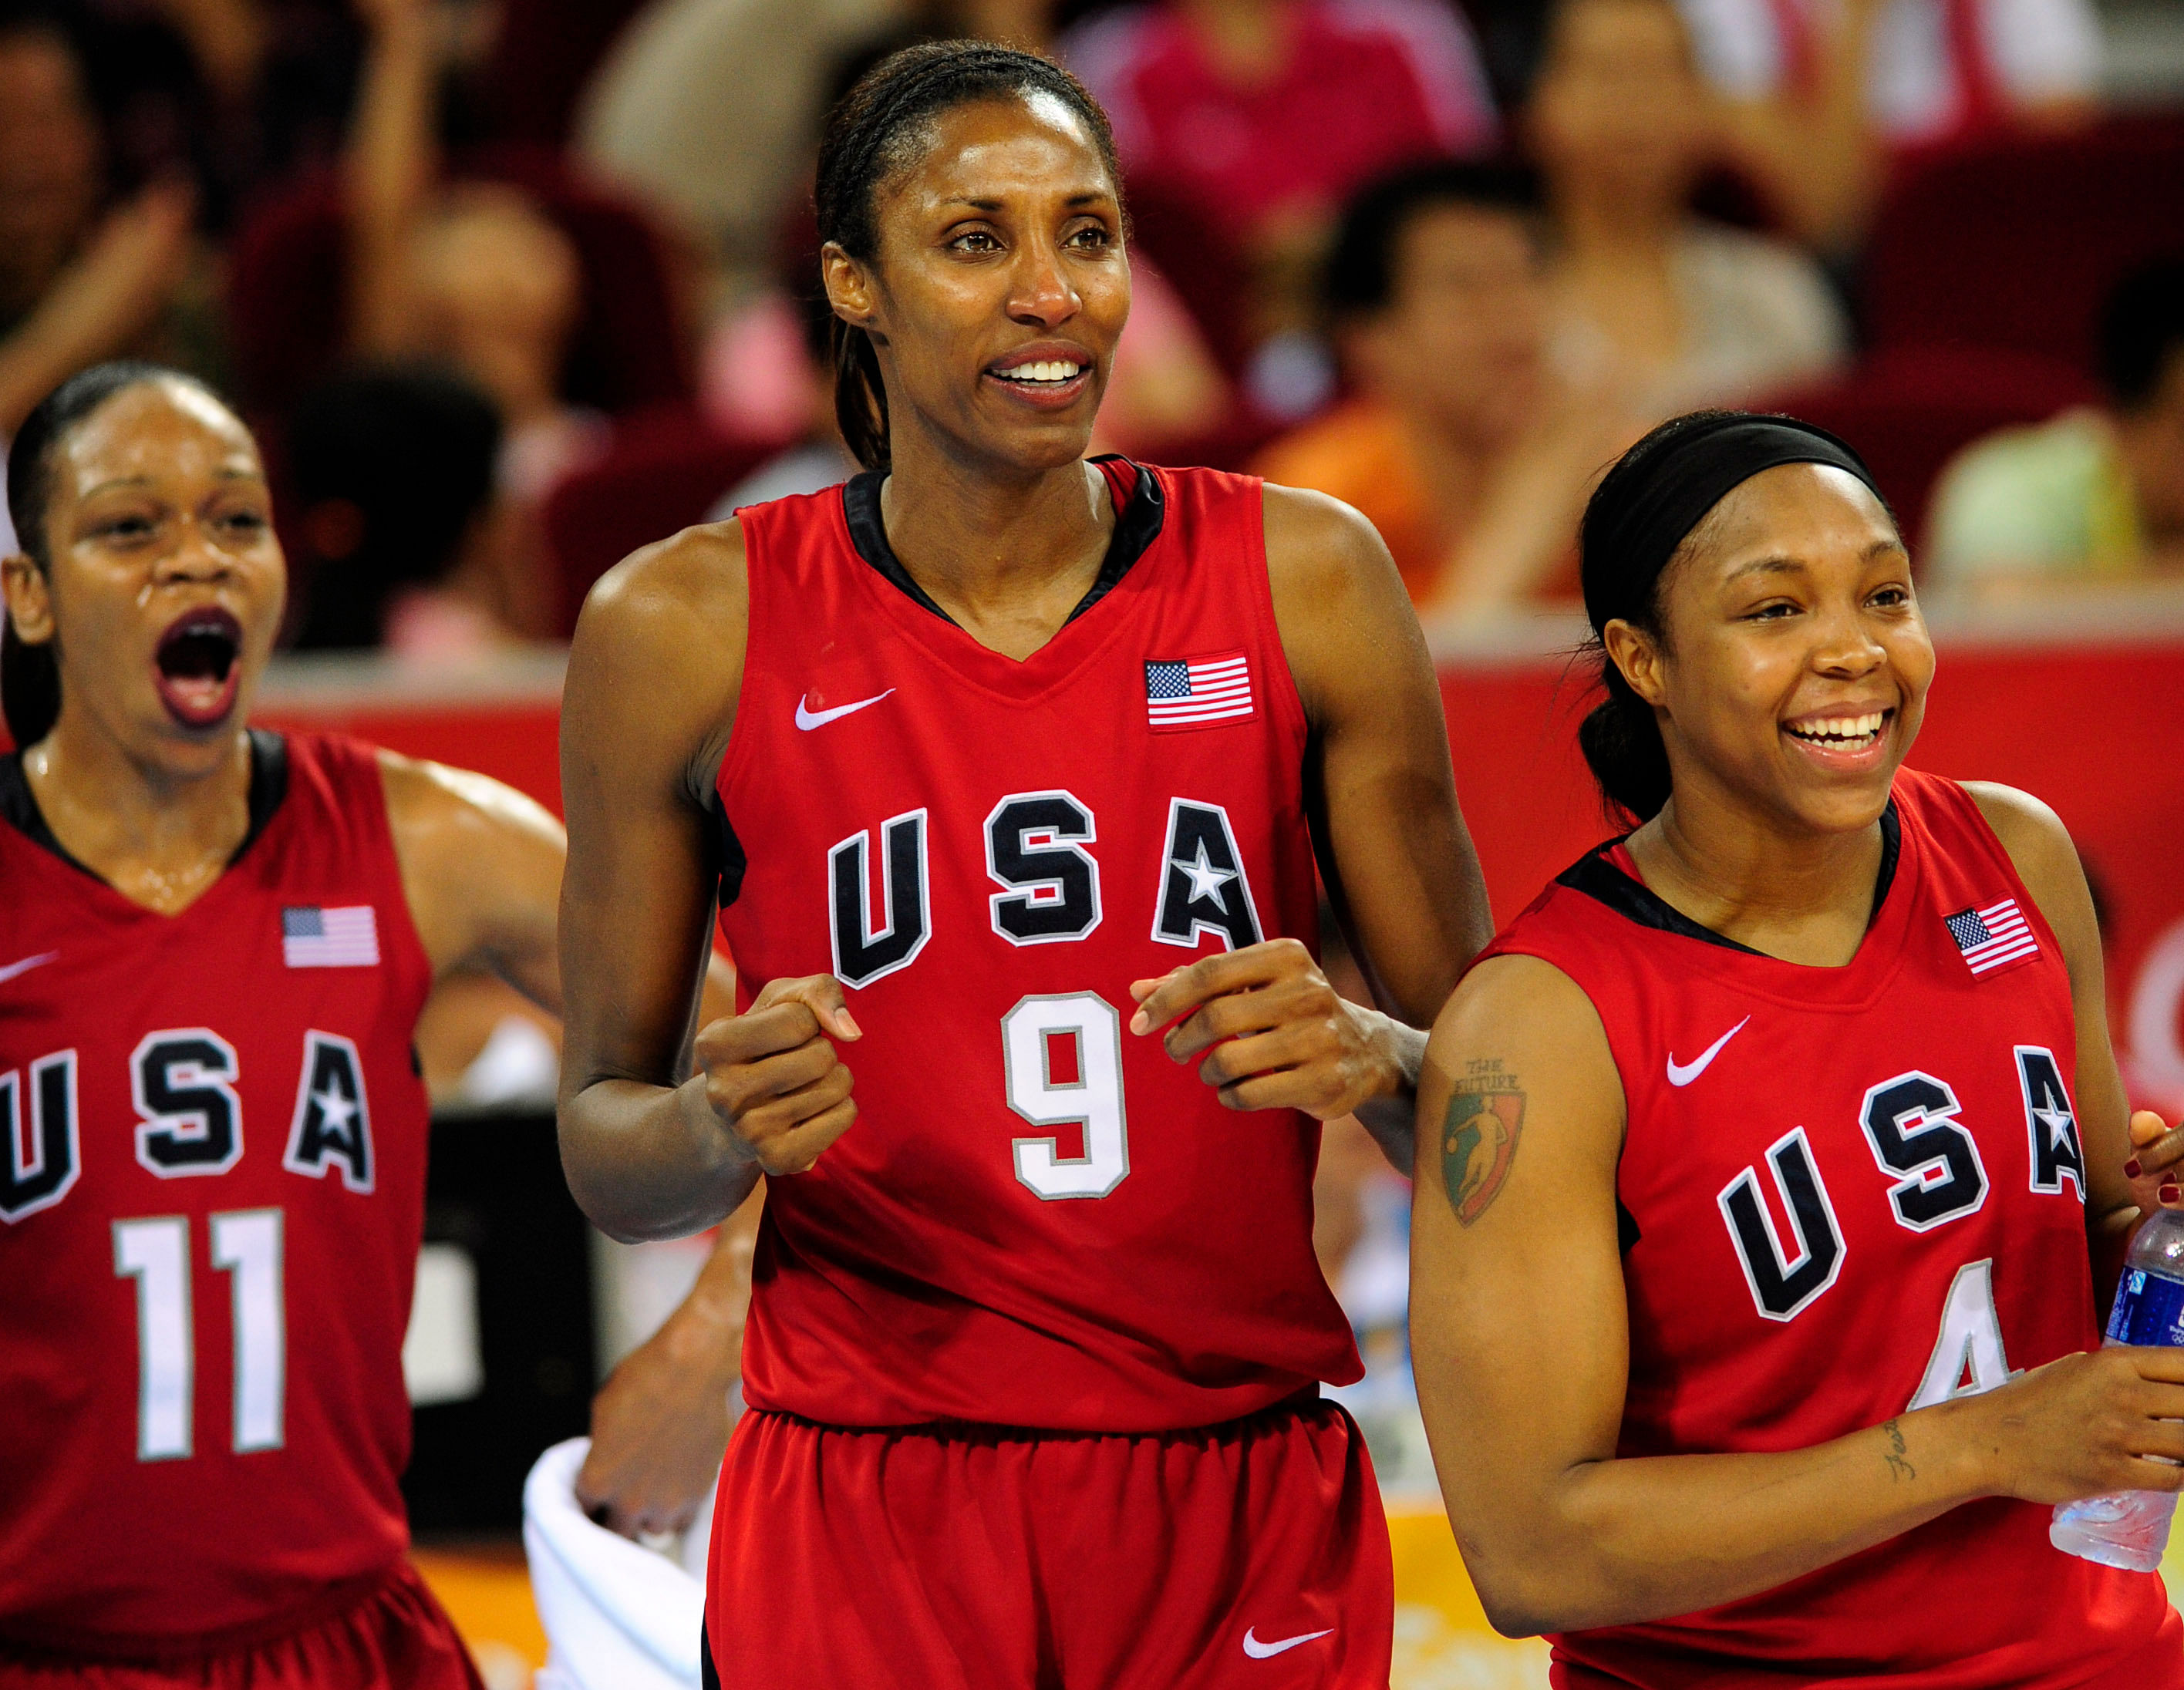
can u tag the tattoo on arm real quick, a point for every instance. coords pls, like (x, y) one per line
(1479, 1136)
(1898, 1468)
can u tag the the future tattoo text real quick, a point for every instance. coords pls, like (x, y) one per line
(1478, 1135)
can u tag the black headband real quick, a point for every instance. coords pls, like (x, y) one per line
(1663, 488)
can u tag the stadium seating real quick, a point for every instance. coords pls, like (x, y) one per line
(1908, 410)
(663, 472)
(2012, 242)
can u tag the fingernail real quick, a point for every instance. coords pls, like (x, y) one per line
(1138, 1022)
(2131, 1170)
(2171, 1192)
(848, 1024)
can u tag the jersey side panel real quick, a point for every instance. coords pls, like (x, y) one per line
(1038, 1218)
(200, 1348)
(1869, 1198)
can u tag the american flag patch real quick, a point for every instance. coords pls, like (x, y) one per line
(343, 937)
(1187, 693)
(1992, 937)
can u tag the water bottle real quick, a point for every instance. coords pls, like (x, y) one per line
(2129, 1529)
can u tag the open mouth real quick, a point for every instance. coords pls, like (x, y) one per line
(1846, 733)
(198, 673)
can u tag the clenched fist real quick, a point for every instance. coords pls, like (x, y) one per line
(771, 1077)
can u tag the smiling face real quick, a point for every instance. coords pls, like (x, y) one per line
(166, 582)
(1790, 670)
(1000, 286)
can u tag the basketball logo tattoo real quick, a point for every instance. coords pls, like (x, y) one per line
(1479, 1136)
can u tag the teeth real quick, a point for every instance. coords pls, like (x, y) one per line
(1843, 727)
(1045, 370)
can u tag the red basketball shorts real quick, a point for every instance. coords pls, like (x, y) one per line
(395, 1636)
(1251, 1555)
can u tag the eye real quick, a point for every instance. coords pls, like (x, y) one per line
(1092, 237)
(1775, 610)
(124, 530)
(244, 522)
(976, 241)
(1892, 597)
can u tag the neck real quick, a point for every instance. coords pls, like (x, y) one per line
(1805, 897)
(1007, 557)
(158, 837)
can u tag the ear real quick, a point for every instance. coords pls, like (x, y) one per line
(850, 288)
(29, 596)
(1637, 653)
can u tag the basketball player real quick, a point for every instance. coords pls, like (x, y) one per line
(1009, 769)
(1775, 1148)
(213, 947)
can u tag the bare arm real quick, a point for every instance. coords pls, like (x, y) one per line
(388, 166)
(2116, 1143)
(481, 871)
(1522, 1345)
(1393, 852)
(646, 713)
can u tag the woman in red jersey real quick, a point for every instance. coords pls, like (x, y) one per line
(214, 944)
(1006, 769)
(1780, 1149)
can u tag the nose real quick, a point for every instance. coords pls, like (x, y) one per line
(195, 555)
(1040, 295)
(1845, 647)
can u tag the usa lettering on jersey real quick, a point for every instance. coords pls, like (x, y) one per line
(182, 1081)
(1038, 852)
(1911, 1124)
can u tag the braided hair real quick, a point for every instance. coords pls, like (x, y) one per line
(873, 132)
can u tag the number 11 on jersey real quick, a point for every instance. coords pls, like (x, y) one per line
(155, 1253)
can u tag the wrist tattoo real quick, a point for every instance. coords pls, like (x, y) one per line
(1479, 1136)
(1898, 1468)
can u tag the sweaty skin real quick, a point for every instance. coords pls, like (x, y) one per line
(1791, 601)
(1001, 245)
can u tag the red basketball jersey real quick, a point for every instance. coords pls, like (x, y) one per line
(211, 1203)
(1038, 1219)
(1854, 1192)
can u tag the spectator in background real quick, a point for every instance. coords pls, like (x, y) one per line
(403, 538)
(79, 283)
(1819, 93)
(1687, 313)
(1462, 446)
(659, 119)
(472, 275)
(2091, 496)
(1260, 118)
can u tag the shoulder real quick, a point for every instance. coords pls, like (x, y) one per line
(658, 656)
(1316, 541)
(2033, 837)
(1525, 1009)
(424, 797)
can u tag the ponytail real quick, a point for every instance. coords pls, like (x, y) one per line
(29, 685)
(861, 405)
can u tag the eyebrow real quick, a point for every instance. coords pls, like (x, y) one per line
(1089, 196)
(1779, 564)
(226, 472)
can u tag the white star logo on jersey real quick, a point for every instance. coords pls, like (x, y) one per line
(1207, 882)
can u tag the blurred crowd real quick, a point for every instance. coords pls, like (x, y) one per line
(512, 286)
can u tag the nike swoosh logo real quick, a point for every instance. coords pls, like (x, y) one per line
(25, 966)
(1259, 1651)
(809, 720)
(1682, 1074)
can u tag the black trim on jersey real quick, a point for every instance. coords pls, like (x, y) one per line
(709, 1675)
(727, 861)
(1137, 525)
(268, 786)
(1597, 878)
